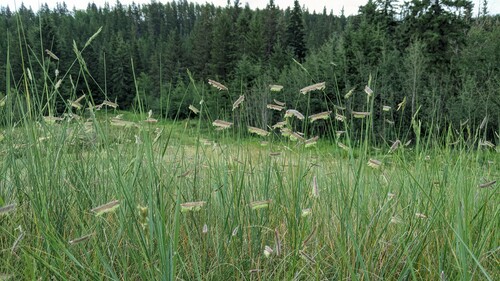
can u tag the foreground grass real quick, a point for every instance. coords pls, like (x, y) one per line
(421, 215)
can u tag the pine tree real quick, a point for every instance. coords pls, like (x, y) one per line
(295, 33)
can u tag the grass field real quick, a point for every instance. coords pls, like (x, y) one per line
(275, 212)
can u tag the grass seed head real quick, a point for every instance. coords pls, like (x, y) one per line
(217, 85)
(374, 163)
(237, 103)
(402, 104)
(222, 124)
(279, 125)
(487, 184)
(194, 109)
(311, 142)
(8, 208)
(420, 215)
(306, 212)
(80, 239)
(349, 94)
(275, 107)
(256, 205)
(293, 112)
(323, 115)
(268, 251)
(394, 146)
(317, 86)
(52, 55)
(235, 231)
(368, 91)
(275, 88)
(340, 117)
(360, 115)
(258, 131)
(192, 206)
(280, 103)
(106, 208)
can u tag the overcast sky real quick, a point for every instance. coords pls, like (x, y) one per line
(350, 6)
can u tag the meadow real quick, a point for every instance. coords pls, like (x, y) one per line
(102, 194)
(131, 198)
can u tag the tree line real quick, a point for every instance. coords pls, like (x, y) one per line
(438, 60)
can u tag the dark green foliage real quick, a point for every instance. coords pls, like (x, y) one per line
(436, 54)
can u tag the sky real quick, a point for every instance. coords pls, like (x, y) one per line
(350, 6)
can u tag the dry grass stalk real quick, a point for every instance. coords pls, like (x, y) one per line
(258, 131)
(80, 239)
(293, 112)
(339, 133)
(106, 208)
(222, 124)
(194, 109)
(238, 102)
(389, 122)
(8, 208)
(256, 205)
(315, 189)
(217, 85)
(277, 241)
(52, 55)
(185, 174)
(487, 184)
(307, 257)
(323, 115)
(275, 88)
(275, 107)
(192, 206)
(280, 103)
(359, 114)
(309, 237)
(18, 240)
(317, 86)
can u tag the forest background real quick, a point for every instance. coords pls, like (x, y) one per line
(437, 59)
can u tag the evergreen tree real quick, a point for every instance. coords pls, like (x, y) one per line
(295, 33)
